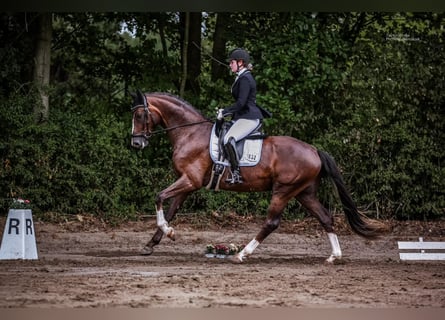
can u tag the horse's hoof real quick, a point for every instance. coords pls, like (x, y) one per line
(171, 234)
(147, 250)
(332, 258)
(235, 259)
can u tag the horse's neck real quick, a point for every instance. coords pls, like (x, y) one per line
(183, 125)
(175, 113)
(190, 134)
(180, 120)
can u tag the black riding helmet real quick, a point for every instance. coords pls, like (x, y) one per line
(239, 54)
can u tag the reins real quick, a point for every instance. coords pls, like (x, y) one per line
(179, 126)
(162, 130)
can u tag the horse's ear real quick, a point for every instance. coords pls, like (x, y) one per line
(142, 98)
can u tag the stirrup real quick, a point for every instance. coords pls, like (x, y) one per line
(235, 177)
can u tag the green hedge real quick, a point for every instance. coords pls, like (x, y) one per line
(83, 163)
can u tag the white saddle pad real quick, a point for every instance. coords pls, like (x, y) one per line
(251, 152)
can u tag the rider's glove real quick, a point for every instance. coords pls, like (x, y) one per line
(220, 115)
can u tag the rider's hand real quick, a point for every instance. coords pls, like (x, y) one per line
(220, 115)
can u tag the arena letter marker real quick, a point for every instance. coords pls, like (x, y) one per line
(19, 241)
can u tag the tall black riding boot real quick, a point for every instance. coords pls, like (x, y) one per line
(231, 153)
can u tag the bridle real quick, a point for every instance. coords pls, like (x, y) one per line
(147, 133)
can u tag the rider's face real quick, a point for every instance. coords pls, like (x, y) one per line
(234, 65)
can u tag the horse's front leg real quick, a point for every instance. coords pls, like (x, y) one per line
(179, 191)
(162, 223)
(156, 239)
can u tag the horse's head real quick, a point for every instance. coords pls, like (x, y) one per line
(162, 109)
(142, 125)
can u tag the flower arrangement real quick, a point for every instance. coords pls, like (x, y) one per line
(221, 250)
(20, 203)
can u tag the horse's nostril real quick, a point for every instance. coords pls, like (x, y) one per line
(138, 143)
(135, 144)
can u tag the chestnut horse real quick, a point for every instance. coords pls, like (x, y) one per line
(288, 167)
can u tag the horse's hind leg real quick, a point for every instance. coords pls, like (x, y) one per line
(272, 222)
(313, 205)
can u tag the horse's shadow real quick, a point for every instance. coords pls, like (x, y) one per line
(270, 259)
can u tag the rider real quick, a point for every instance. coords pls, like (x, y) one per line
(245, 113)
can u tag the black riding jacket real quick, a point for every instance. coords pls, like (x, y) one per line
(244, 93)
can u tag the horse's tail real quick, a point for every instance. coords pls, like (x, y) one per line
(359, 223)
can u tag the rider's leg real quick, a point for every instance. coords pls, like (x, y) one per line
(230, 149)
(240, 129)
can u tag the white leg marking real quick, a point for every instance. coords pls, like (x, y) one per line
(248, 250)
(163, 224)
(336, 251)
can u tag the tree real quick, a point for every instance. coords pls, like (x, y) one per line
(16, 52)
(42, 65)
(184, 55)
(191, 51)
(219, 46)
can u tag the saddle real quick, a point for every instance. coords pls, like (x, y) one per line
(248, 149)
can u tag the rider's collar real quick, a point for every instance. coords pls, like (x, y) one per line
(241, 71)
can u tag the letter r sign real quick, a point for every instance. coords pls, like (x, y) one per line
(19, 240)
(14, 226)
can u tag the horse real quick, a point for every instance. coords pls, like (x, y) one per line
(288, 167)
